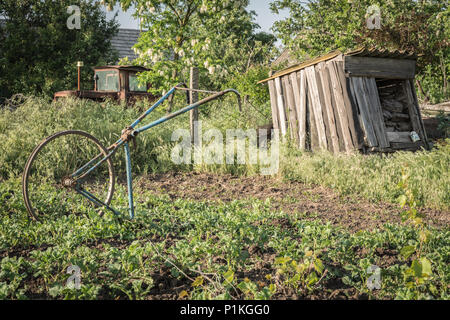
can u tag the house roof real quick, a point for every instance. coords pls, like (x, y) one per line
(124, 41)
(285, 57)
(360, 52)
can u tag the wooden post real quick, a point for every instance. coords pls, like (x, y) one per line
(170, 100)
(193, 97)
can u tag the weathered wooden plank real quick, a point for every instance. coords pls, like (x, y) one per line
(303, 107)
(414, 118)
(273, 104)
(286, 108)
(442, 107)
(338, 58)
(395, 146)
(315, 104)
(327, 107)
(409, 146)
(379, 67)
(357, 112)
(293, 127)
(352, 113)
(280, 106)
(399, 137)
(336, 116)
(359, 94)
(376, 111)
(322, 107)
(313, 136)
(345, 134)
(423, 133)
(300, 107)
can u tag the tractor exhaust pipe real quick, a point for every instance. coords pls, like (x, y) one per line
(79, 65)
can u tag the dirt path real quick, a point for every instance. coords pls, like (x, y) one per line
(315, 202)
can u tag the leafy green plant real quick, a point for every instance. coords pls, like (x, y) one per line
(38, 52)
(184, 34)
(11, 276)
(254, 291)
(228, 249)
(444, 124)
(420, 271)
(303, 275)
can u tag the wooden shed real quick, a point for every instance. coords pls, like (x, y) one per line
(360, 100)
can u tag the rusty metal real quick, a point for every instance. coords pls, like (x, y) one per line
(68, 182)
(188, 108)
(76, 179)
(127, 134)
(79, 65)
(123, 92)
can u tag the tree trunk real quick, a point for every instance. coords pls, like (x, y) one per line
(427, 99)
(444, 73)
(170, 100)
(174, 78)
(193, 97)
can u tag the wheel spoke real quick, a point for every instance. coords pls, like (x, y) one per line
(48, 186)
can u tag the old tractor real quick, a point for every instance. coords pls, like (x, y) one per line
(116, 82)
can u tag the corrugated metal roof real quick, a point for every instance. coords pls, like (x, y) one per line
(382, 53)
(303, 65)
(124, 41)
(361, 52)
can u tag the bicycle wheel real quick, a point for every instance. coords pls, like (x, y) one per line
(47, 184)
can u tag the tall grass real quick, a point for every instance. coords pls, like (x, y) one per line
(23, 128)
(374, 177)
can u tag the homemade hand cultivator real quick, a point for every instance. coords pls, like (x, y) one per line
(72, 164)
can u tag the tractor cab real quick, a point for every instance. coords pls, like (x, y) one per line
(116, 82)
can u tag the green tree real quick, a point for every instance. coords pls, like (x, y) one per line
(38, 52)
(318, 26)
(217, 36)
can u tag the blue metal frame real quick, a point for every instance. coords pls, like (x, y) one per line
(129, 180)
(80, 174)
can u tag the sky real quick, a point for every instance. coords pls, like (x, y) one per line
(265, 18)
